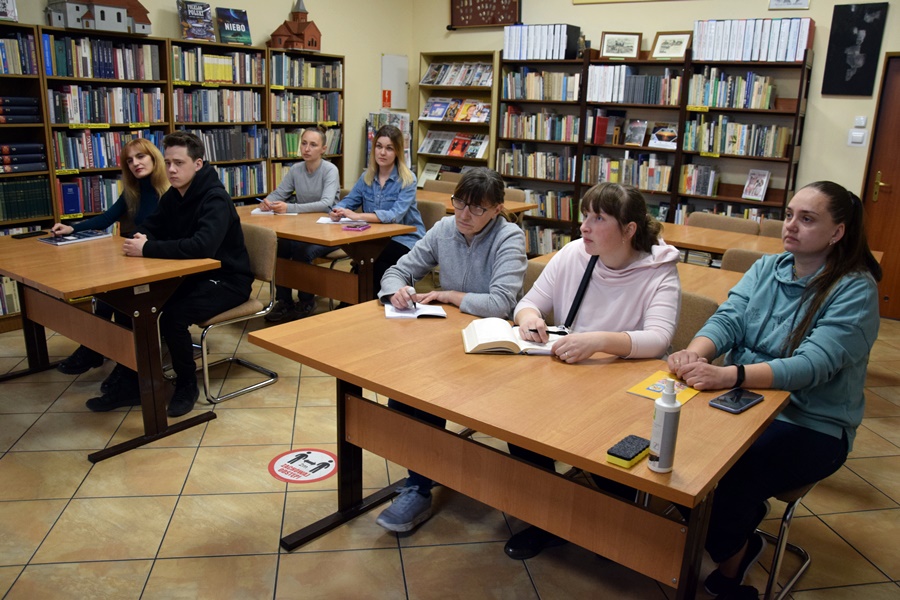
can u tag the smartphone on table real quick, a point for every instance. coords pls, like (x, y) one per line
(736, 401)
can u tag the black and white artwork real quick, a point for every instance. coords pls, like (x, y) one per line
(853, 49)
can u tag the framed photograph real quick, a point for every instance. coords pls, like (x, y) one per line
(854, 46)
(620, 45)
(757, 182)
(484, 13)
(788, 4)
(8, 11)
(670, 44)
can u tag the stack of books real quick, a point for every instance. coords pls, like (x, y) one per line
(757, 40)
(540, 42)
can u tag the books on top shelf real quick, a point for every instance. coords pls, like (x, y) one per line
(756, 40)
(492, 335)
(72, 56)
(234, 27)
(540, 42)
(480, 74)
(757, 182)
(79, 236)
(196, 21)
(449, 143)
(17, 53)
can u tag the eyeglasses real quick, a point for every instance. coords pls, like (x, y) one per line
(459, 204)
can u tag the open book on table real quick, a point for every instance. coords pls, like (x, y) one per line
(421, 310)
(343, 221)
(653, 386)
(497, 336)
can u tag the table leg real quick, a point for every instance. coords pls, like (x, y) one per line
(35, 343)
(364, 255)
(697, 525)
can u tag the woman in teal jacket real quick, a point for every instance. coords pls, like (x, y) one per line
(802, 321)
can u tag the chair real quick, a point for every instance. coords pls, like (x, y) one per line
(722, 222)
(514, 195)
(262, 246)
(432, 212)
(695, 311)
(533, 270)
(792, 498)
(450, 176)
(436, 185)
(771, 228)
(740, 260)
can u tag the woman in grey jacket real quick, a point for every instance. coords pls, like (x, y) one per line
(482, 260)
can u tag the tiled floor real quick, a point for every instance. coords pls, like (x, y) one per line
(197, 515)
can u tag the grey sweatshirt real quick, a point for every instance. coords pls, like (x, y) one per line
(316, 192)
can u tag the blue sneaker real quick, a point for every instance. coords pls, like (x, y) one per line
(408, 510)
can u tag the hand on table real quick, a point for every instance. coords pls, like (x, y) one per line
(135, 246)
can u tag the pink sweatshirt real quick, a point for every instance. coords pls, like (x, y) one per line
(641, 300)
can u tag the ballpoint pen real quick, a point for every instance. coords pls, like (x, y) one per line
(411, 290)
(557, 331)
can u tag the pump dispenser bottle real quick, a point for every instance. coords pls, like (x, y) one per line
(666, 413)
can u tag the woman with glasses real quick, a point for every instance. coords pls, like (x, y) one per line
(482, 260)
(629, 306)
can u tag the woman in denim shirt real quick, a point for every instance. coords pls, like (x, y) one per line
(385, 193)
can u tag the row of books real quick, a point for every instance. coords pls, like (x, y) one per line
(527, 84)
(540, 42)
(17, 54)
(296, 71)
(85, 57)
(645, 171)
(217, 106)
(87, 194)
(547, 126)
(24, 198)
(552, 204)
(699, 180)
(518, 162)
(456, 109)
(195, 66)
(466, 73)
(19, 109)
(112, 105)
(9, 293)
(288, 107)
(449, 143)
(543, 240)
(762, 40)
(286, 143)
(91, 149)
(713, 87)
(243, 180)
(233, 143)
(623, 83)
(721, 136)
(22, 157)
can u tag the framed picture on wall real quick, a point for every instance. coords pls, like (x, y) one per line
(8, 11)
(620, 45)
(788, 4)
(670, 44)
(484, 13)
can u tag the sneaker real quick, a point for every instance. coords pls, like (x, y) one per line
(717, 584)
(183, 399)
(529, 542)
(280, 311)
(113, 379)
(112, 400)
(409, 509)
(81, 361)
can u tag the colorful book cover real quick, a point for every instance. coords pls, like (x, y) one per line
(196, 21)
(459, 144)
(234, 28)
(653, 387)
(466, 112)
(436, 108)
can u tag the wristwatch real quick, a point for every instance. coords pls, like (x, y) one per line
(740, 377)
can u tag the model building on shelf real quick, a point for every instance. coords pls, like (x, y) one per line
(298, 33)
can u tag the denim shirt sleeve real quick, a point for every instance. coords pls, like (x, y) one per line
(394, 212)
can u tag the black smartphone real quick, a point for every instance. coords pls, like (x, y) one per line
(736, 401)
(28, 234)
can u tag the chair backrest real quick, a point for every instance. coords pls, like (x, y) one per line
(771, 228)
(344, 192)
(740, 260)
(514, 195)
(695, 311)
(723, 222)
(450, 176)
(431, 212)
(437, 185)
(262, 246)
(533, 270)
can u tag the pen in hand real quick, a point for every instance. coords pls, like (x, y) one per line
(411, 290)
(551, 331)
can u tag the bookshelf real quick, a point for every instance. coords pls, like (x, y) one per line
(217, 93)
(458, 110)
(304, 89)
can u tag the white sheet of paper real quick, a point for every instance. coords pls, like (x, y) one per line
(343, 221)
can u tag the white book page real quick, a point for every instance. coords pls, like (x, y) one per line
(343, 221)
(421, 310)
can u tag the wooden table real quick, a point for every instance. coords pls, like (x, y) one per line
(512, 206)
(363, 247)
(49, 277)
(572, 413)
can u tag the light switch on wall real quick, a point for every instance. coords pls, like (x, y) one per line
(859, 122)
(857, 137)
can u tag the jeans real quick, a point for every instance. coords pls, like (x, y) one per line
(301, 252)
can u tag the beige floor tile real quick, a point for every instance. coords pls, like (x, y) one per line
(874, 534)
(95, 580)
(883, 473)
(12, 344)
(307, 371)
(476, 570)
(868, 444)
(23, 525)
(224, 525)
(304, 508)
(70, 431)
(315, 425)
(888, 428)
(249, 427)
(34, 397)
(226, 469)
(133, 426)
(878, 591)
(42, 475)
(285, 367)
(7, 577)
(458, 519)
(74, 397)
(845, 491)
(317, 391)
(220, 578)
(13, 426)
(139, 472)
(892, 394)
(357, 574)
(8, 364)
(107, 529)
(281, 394)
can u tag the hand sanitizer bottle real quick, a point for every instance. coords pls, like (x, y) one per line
(666, 413)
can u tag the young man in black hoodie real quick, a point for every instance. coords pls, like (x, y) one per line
(195, 219)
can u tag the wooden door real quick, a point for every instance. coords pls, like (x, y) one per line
(881, 195)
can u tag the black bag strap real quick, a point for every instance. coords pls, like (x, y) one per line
(579, 295)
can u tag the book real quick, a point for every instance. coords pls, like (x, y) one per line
(664, 135)
(436, 142)
(429, 172)
(23, 167)
(482, 113)
(196, 21)
(18, 101)
(459, 144)
(466, 112)
(80, 236)
(452, 109)
(431, 74)
(652, 387)
(757, 182)
(635, 132)
(435, 109)
(496, 336)
(420, 310)
(234, 28)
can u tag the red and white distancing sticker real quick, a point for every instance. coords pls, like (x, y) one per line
(303, 466)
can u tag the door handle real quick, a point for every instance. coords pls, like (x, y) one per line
(878, 185)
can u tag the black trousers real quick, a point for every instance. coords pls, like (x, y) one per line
(393, 252)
